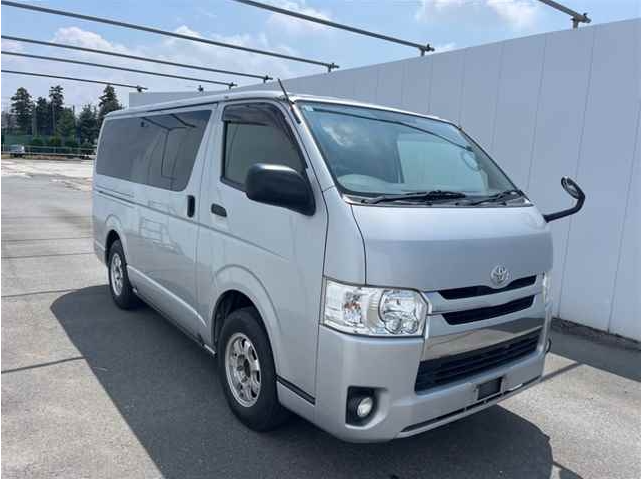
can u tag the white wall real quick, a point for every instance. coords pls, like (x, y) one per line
(562, 103)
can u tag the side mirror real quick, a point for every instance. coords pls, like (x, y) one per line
(575, 191)
(280, 185)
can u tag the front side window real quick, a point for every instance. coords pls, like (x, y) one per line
(256, 133)
(375, 152)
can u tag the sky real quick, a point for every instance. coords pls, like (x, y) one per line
(445, 24)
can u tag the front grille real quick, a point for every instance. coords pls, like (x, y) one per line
(479, 314)
(471, 291)
(436, 372)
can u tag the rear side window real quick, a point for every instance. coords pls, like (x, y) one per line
(256, 133)
(157, 150)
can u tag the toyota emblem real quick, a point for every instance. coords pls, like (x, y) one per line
(499, 275)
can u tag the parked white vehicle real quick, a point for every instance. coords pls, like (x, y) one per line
(371, 270)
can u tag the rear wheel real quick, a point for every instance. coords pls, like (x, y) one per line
(247, 373)
(121, 290)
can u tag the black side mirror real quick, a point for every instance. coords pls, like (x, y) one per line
(575, 191)
(280, 185)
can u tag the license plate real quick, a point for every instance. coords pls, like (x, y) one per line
(489, 388)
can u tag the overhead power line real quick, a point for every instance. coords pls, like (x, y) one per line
(329, 66)
(134, 57)
(576, 16)
(422, 48)
(15, 72)
(112, 67)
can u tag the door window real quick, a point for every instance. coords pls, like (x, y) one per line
(256, 133)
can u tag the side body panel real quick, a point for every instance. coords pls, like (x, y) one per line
(165, 245)
(113, 209)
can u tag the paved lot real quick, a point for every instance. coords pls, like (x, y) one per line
(92, 391)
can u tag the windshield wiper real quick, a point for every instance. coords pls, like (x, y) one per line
(418, 195)
(503, 195)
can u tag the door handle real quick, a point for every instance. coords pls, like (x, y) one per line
(191, 205)
(218, 210)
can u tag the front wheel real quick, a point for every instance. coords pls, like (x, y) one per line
(247, 372)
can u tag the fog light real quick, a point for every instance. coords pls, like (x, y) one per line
(361, 403)
(365, 406)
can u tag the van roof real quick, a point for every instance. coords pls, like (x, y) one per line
(254, 95)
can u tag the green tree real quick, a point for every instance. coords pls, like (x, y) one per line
(57, 101)
(87, 124)
(54, 141)
(108, 103)
(66, 126)
(42, 112)
(8, 122)
(22, 108)
(36, 141)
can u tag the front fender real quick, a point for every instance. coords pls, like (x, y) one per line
(238, 278)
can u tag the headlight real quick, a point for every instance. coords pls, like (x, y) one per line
(547, 291)
(374, 311)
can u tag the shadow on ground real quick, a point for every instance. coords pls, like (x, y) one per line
(166, 388)
(621, 361)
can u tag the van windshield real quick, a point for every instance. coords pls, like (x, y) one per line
(375, 152)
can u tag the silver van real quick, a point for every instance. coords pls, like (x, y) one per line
(369, 269)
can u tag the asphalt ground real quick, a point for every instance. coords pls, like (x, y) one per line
(89, 390)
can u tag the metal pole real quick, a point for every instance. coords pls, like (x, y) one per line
(162, 32)
(15, 72)
(576, 16)
(422, 48)
(134, 57)
(100, 65)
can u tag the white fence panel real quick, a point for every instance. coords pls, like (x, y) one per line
(517, 105)
(605, 168)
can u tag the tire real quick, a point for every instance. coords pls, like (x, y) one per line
(121, 290)
(254, 403)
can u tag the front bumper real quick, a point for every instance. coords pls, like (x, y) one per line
(390, 367)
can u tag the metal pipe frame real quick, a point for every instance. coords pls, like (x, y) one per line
(576, 16)
(15, 72)
(265, 78)
(422, 48)
(133, 26)
(112, 67)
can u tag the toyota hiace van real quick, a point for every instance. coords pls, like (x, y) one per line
(371, 270)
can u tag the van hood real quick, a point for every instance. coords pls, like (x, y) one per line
(429, 248)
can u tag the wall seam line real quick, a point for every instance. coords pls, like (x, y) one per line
(578, 164)
(536, 114)
(462, 92)
(401, 101)
(429, 87)
(496, 101)
(628, 200)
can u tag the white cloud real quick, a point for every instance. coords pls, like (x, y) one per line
(171, 49)
(83, 38)
(518, 14)
(296, 26)
(428, 8)
(231, 59)
(444, 47)
(12, 46)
